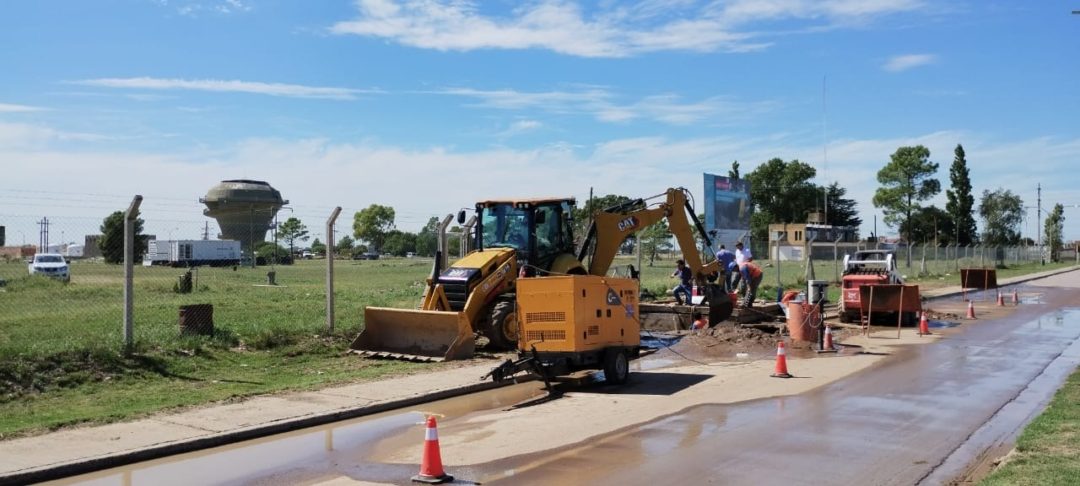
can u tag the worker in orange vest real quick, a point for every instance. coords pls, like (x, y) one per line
(751, 276)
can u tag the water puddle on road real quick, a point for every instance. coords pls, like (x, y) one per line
(305, 456)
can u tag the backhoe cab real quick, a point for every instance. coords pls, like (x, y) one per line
(475, 295)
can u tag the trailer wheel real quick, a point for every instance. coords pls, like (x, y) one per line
(616, 366)
(503, 332)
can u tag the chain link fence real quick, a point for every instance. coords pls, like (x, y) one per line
(186, 284)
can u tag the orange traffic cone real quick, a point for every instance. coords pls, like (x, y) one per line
(781, 362)
(924, 325)
(827, 345)
(431, 470)
(1001, 300)
(971, 310)
(1016, 297)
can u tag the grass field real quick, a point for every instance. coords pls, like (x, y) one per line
(60, 359)
(1048, 451)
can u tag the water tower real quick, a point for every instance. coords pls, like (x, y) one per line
(243, 209)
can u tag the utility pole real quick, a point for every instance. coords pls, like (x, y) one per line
(206, 231)
(43, 235)
(1038, 219)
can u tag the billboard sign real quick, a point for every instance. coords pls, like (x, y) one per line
(727, 210)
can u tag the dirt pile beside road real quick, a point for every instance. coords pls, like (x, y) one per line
(727, 342)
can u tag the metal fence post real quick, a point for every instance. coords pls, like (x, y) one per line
(330, 269)
(922, 264)
(130, 216)
(442, 241)
(466, 235)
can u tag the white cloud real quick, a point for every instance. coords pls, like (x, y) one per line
(521, 126)
(605, 106)
(10, 108)
(632, 166)
(618, 30)
(907, 61)
(23, 135)
(227, 86)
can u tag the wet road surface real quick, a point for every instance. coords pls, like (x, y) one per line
(894, 424)
(923, 415)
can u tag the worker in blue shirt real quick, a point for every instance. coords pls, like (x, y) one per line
(686, 282)
(727, 262)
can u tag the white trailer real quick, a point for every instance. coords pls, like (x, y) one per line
(191, 253)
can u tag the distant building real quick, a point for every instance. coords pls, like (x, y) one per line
(793, 241)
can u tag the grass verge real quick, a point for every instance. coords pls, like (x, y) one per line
(59, 343)
(1048, 451)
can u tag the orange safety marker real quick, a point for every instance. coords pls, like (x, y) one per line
(1000, 300)
(781, 362)
(971, 310)
(924, 325)
(827, 345)
(431, 470)
(1016, 297)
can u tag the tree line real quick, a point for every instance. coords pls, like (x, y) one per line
(780, 192)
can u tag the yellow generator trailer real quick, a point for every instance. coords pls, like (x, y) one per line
(575, 322)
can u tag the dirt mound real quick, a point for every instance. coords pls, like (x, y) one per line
(727, 342)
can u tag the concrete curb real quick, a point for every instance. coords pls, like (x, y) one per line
(88, 465)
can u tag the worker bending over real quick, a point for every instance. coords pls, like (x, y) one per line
(751, 275)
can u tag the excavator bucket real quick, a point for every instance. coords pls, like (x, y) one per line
(720, 304)
(414, 335)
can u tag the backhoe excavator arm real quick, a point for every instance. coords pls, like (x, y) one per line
(612, 226)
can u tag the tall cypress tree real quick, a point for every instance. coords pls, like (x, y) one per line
(961, 203)
(734, 172)
(842, 211)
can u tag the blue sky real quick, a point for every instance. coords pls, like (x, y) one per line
(429, 105)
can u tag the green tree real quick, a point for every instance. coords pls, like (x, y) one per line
(654, 239)
(318, 247)
(1001, 212)
(927, 223)
(961, 203)
(373, 223)
(1054, 229)
(344, 246)
(906, 181)
(270, 251)
(781, 192)
(292, 230)
(398, 243)
(734, 172)
(842, 211)
(583, 215)
(112, 238)
(427, 238)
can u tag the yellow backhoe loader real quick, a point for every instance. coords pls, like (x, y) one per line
(475, 295)
(524, 239)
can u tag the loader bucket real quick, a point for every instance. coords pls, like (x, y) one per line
(414, 335)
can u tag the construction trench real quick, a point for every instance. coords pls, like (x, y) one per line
(929, 409)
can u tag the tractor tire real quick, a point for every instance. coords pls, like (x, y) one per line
(502, 334)
(616, 366)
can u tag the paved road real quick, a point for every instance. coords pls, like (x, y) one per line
(921, 415)
(896, 424)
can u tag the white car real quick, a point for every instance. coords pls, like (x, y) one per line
(50, 265)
